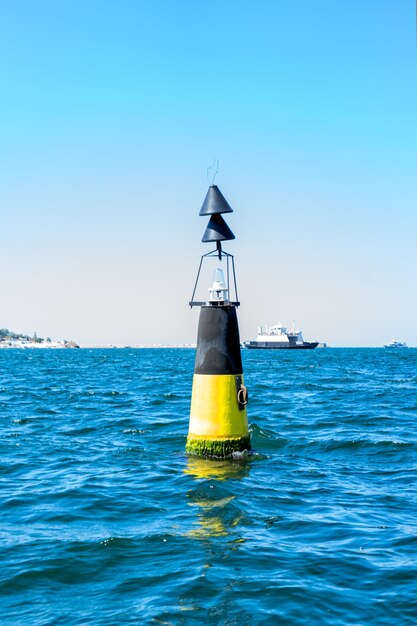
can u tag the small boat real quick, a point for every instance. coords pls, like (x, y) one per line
(395, 344)
(277, 337)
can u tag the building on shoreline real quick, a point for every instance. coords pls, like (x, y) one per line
(10, 339)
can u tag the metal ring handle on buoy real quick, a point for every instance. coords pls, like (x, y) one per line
(242, 396)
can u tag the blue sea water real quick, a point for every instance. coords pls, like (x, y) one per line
(104, 520)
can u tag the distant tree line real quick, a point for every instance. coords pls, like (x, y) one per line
(7, 335)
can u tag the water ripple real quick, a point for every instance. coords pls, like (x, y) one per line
(100, 504)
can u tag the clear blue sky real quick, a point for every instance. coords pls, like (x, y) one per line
(110, 114)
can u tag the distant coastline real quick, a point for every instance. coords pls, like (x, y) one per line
(139, 345)
(10, 339)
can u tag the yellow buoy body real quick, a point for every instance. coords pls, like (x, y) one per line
(218, 419)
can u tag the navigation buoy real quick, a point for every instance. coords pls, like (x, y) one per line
(218, 419)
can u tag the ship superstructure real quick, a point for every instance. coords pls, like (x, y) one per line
(277, 337)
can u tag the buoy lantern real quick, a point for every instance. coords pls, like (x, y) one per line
(218, 419)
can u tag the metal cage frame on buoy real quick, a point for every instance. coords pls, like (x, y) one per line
(230, 265)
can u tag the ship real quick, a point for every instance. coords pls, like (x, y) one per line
(395, 344)
(277, 337)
